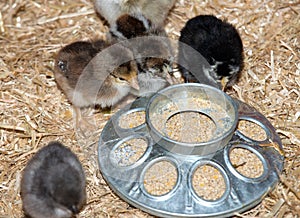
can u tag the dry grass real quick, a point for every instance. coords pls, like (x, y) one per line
(33, 111)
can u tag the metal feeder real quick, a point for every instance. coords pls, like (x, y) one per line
(125, 170)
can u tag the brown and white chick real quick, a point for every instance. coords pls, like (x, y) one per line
(155, 10)
(151, 48)
(129, 26)
(53, 183)
(154, 57)
(95, 73)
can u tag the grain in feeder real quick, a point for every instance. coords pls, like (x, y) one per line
(190, 127)
(252, 130)
(208, 182)
(175, 178)
(132, 119)
(128, 152)
(160, 178)
(191, 118)
(246, 162)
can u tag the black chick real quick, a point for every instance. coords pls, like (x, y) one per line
(206, 38)
(53, 183)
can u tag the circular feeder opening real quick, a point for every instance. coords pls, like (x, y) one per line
(190, 127)
(132, 119)
(246, 162)
(208, 182)
(211, 111)
(129, 152)
(172, 117)
(160, 178)
(252, 130)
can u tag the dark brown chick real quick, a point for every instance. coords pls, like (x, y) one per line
(95, 73)
(129, 26)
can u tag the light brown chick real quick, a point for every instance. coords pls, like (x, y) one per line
(155, 10)
(95, 73)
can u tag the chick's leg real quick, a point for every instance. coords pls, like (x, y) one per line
(82, 123)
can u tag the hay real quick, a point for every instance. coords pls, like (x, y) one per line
(33, 111)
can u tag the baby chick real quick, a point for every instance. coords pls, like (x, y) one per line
(155, 10)
(95, 73)
(221, 46)
(152, 50)
(129, 26)
(53, 183)
(154, 57)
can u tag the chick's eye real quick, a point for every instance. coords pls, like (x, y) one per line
(121, 79)
(62, 65)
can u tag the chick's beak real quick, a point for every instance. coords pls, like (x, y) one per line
(224, 82)
(74, 209)
(134, 82)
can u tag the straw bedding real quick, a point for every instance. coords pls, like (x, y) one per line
(33, 111)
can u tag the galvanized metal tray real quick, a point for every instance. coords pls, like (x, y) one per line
(241, 192)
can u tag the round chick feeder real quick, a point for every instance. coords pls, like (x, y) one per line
(174, 118)
(173, 156)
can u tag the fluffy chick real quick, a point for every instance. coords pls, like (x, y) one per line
(130, 26)
(156, 10)
(152, 51)
(221, 46)
(154, 56)
(95, 73)
(53, 183)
